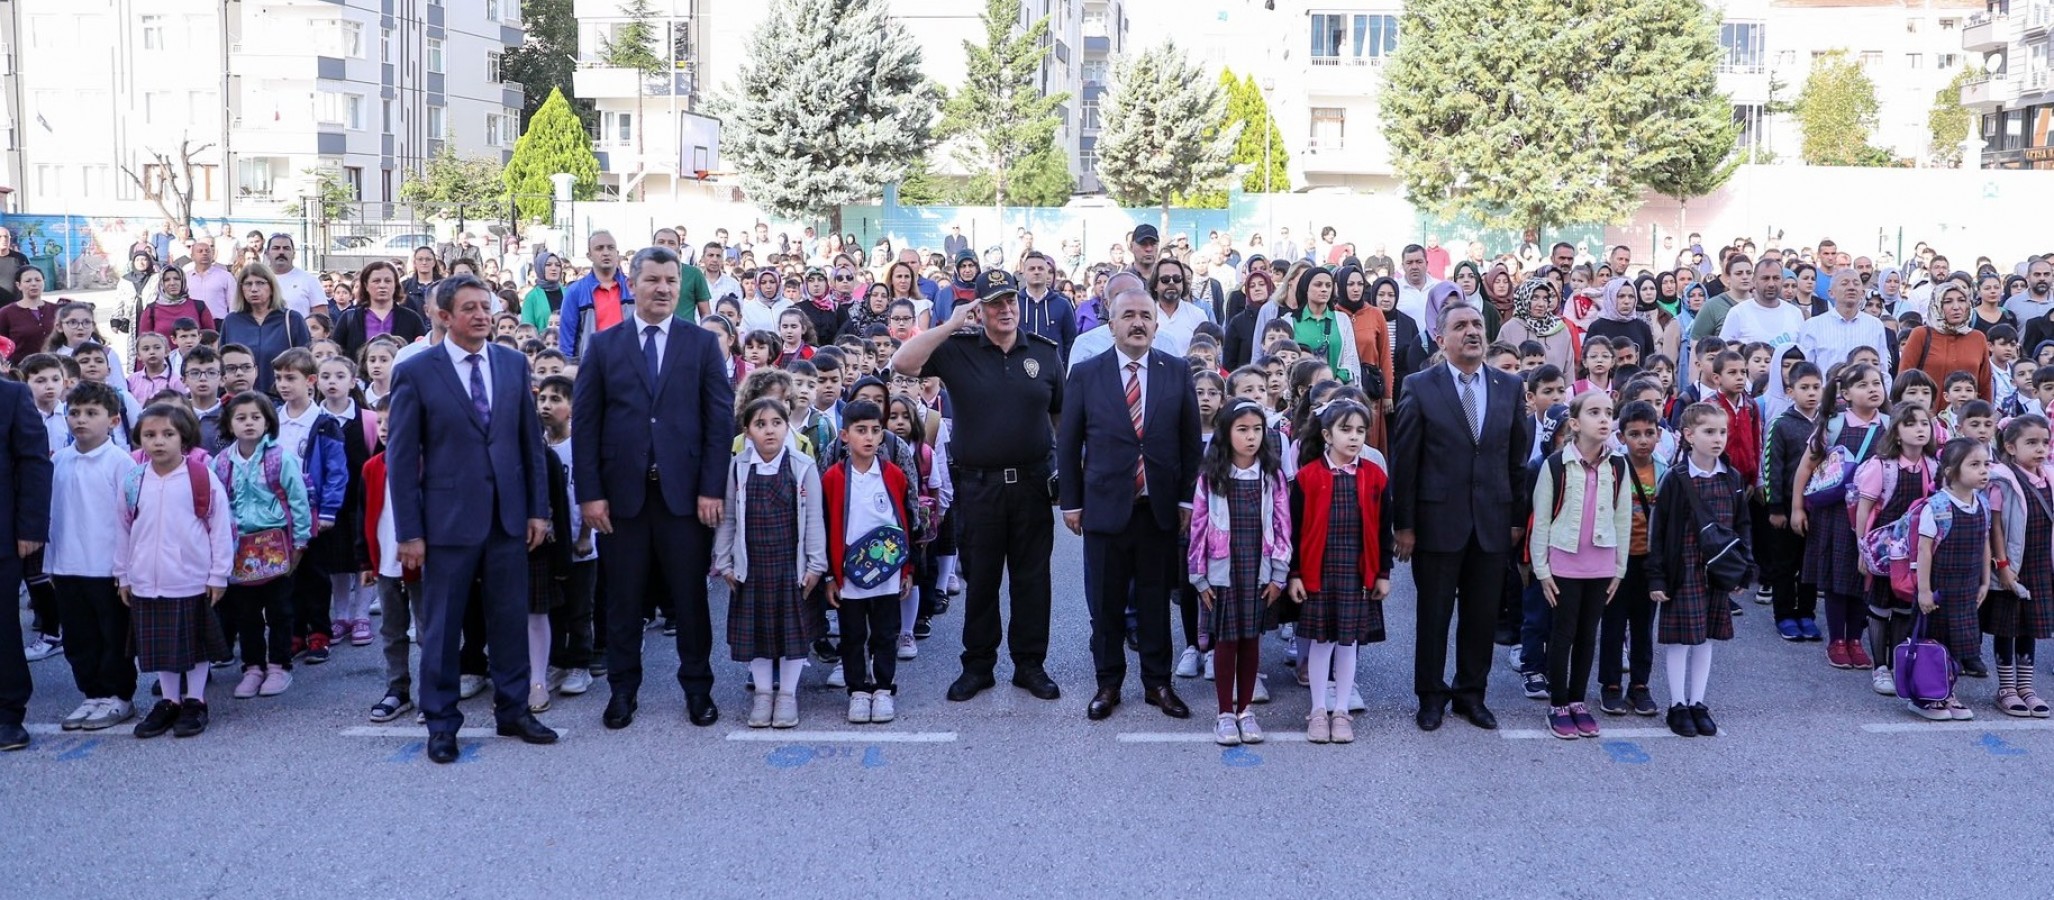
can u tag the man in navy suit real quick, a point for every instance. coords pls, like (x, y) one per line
(1458, 454)
(24, 526)
(1129, 495)
(470, 498)
(652, 424)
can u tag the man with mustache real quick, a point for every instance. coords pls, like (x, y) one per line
(1178, 319)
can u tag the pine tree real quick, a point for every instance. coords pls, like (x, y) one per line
(554, 142)
(1837, 110)
(1041, 178)
(1535, 113)
(1950, 123)
(829, 107)
(998, 117)
(1165, 131)
(449, 183)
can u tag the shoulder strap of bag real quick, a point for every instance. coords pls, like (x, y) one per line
(1925, 349)
(1863, 453)
(274, 475)
(1558, 477)
(203, 494)
(2026, 487)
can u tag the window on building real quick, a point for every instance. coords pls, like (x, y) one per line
(1742, 44)
(1094, 23)
(346, 110)
(385, 185)
(438, 122)
(1087, 163)
(1329, 127)
(49, 181)
(1786, 59)
(157, 108)
(203, 182)
(1088, 110)
(1949, 24)
(354, 177)
(1914, 61)
(1329, 31)
(1353, 38)
(351, 39)
(384, 45)
(493, 13)
(510, 128)
(152, 28)
(1095, 71)
(492, 129)
(435, 56)
(385, 116)
(92, 182)
(617, 127)
(1871, 58)
(1947, 60)
(492, 66)
(1375, 37)
(253, 176)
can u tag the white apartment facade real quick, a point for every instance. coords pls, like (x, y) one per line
(2013, 42)
(364, 89)
(705, 42)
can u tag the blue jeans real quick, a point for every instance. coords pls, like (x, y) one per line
(1534, 626)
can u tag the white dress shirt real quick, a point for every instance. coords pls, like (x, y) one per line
(85, 495)
(1412, 300)
(1089, 344)
(1483, 395)
(459, 357)
(1828, 339)
(1175, 328)
(662, 336)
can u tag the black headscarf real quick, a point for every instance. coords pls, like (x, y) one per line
(1341, 289)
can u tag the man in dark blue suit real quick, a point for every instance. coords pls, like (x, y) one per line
(24, 526)
(1129, 494)
(470, 498)
(652, 421)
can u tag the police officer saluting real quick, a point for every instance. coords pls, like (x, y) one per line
(1007, 388)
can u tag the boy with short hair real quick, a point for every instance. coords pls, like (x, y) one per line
(1546, 387)
(95, 366)
(870, 562)
(201, 372)
(570, 622)
(2043, 389)
(2003, 352)
(45, 374)
(827, 391)
(238, 369)
(1502, 357)
(2020, 378)
(1957, 392)
(395, 583)
(1532, 355)
(85, 484)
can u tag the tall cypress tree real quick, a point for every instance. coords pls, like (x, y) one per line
(998, 117)
(1165, 133)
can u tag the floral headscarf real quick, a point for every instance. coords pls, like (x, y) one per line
(1522, 303)
(1938, 322)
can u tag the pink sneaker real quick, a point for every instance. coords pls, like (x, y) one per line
(360, 633)
(252, 680)
(339, 631)
(276, 680)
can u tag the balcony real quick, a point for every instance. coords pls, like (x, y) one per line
(1344, 75)
(2039, 16)
(598, 82)
(1992, 92)
(1346, 156)
(1744, 85)
(1986, 33)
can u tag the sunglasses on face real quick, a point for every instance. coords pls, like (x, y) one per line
(1170, 279)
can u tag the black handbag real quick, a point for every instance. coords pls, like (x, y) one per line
(1373, 382)
(1727, 561)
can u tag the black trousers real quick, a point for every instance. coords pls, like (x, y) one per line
(312, 597)
(665, 556)
(448, 592)
(96, 637)
(570, 623)
(263, 620)
(1781, 553)
(15, 683)
(1579, 606)
(1463, 587)
(870, 643)
(1008, 531)
(1629, 613)
(45, 615)
(1137, 556)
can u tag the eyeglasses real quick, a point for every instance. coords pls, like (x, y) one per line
(899, 319)
(245, 367)
(1170, 279)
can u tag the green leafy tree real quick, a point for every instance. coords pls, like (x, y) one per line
(1165, 132)
(450, 182)
(554, 142)
(1837, 110)
(547, 58)
(829, 107)
(634, 47)
(331, 196)
(923, 187)
(998, 118)
(1697, 161)
(1041, 178)
(1525, 114)
(1261, 143)
(1949, 123)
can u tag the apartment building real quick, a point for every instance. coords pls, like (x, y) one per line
(2012, 41)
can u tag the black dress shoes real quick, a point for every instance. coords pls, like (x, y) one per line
(442, 747)
(701, 709)
(1102, 704)
(1430, 714)
(1038, 683)
(1165, 699)
(620, 712)
(13, 737)
(1478, 715)
(968, 685)
(529, 729)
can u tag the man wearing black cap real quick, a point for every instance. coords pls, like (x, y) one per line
(1142, 247)
(998, 376)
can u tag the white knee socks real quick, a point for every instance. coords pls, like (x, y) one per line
(1319, 664)
(788, 675)
(759, 674)
(1343, 678)
(169, 685)
(538, 648)
(352, 600)
(909, 609)
(1690, 670)
(195, 683)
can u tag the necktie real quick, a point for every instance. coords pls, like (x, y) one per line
(1134, 413)
(480, 400)
(649, 351)
(1469, 407)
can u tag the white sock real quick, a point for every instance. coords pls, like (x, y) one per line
(788, 676)
(168, 684)
(1344, 675)
(947, 570)
(1677, 660)
(759, 674)
(1319, 663)
(355, 597)
(909, 609)
(1700, 671)
(538, 648)
(196, 683)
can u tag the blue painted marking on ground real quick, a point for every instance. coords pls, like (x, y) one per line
(1626, 752)
(789, 757)
(469, 753)
(873, 757)
(1998, 747)
(1240, 758)
(410, 751)
(79, 752)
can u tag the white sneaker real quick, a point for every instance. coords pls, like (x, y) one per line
(276, 680)
(1355, 703)
(1208, 665)
(113, 711)
(837, 678)
(1261, 691)
(78, 717)
(468, 686)
(252, 681)
(575, 682)
(881, 708)
(859, 708)
(555, 678)
(42, 649)
(1187, 663)
(908, 647)
(1882, 681)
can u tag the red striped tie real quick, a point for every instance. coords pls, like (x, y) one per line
(1134, 413)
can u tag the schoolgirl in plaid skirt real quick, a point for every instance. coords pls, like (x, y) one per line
(2020, 608)
(1691, 612)
(1849, 435)
(1340, 503)
(1954, 561)
(771, 548)
(1885, 487)
(1239, 556)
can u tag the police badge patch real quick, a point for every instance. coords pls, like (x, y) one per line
(1033, 368)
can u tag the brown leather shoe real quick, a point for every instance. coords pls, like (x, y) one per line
(1102, 704)
(1165, 698)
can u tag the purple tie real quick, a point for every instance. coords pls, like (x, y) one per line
(480, 401)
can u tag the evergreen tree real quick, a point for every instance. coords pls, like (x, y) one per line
(450, 182)
(829, 107)
(1698, 159)
(1837, 110)
(1950, 123)
(1041, 178)
(554, 142)
(1247, 105)
(999, 118)
(1533, 114)
(547, 57)
(1165, 131)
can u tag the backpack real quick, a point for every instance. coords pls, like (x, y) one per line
(1558, 476)
(1727, 560)
(196, 472)
(274, 472)
(1828, 485)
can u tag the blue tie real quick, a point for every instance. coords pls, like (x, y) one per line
(649, 352)
(480, 401)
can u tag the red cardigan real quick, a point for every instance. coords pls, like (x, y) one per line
(374, 508)
(1309, 493)
(834, 492)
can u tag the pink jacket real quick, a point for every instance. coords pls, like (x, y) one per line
(1209, 561)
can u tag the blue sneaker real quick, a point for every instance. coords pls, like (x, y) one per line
(1788, 628)
(1810, 630)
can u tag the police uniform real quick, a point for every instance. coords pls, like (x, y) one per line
(1000, 452)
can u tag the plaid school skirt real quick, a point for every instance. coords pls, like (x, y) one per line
(766, 614)
(1341, 611)
(174, 634)
(1956, 579)
(545, 591)
(1695, 613)
(2003, 613)
(1238, 612)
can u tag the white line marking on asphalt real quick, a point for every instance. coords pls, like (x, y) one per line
(1526, 734)
(779, 736)
(419, 731)
(1200, 737)
(53, 729)
(1968, 725)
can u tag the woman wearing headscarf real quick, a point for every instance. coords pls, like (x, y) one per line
(1536, 320)
(1321, 329)
(1257, 287)
(1890, 287)
(1949, 342)
(134, 290)
(1619, 317)
(1238, 297)
(1659, 315)
(1407, 345)
(821, 307)
(961, 287)
(1694, 296)
(1497, 294)
(546, 297)
(1372, 347)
